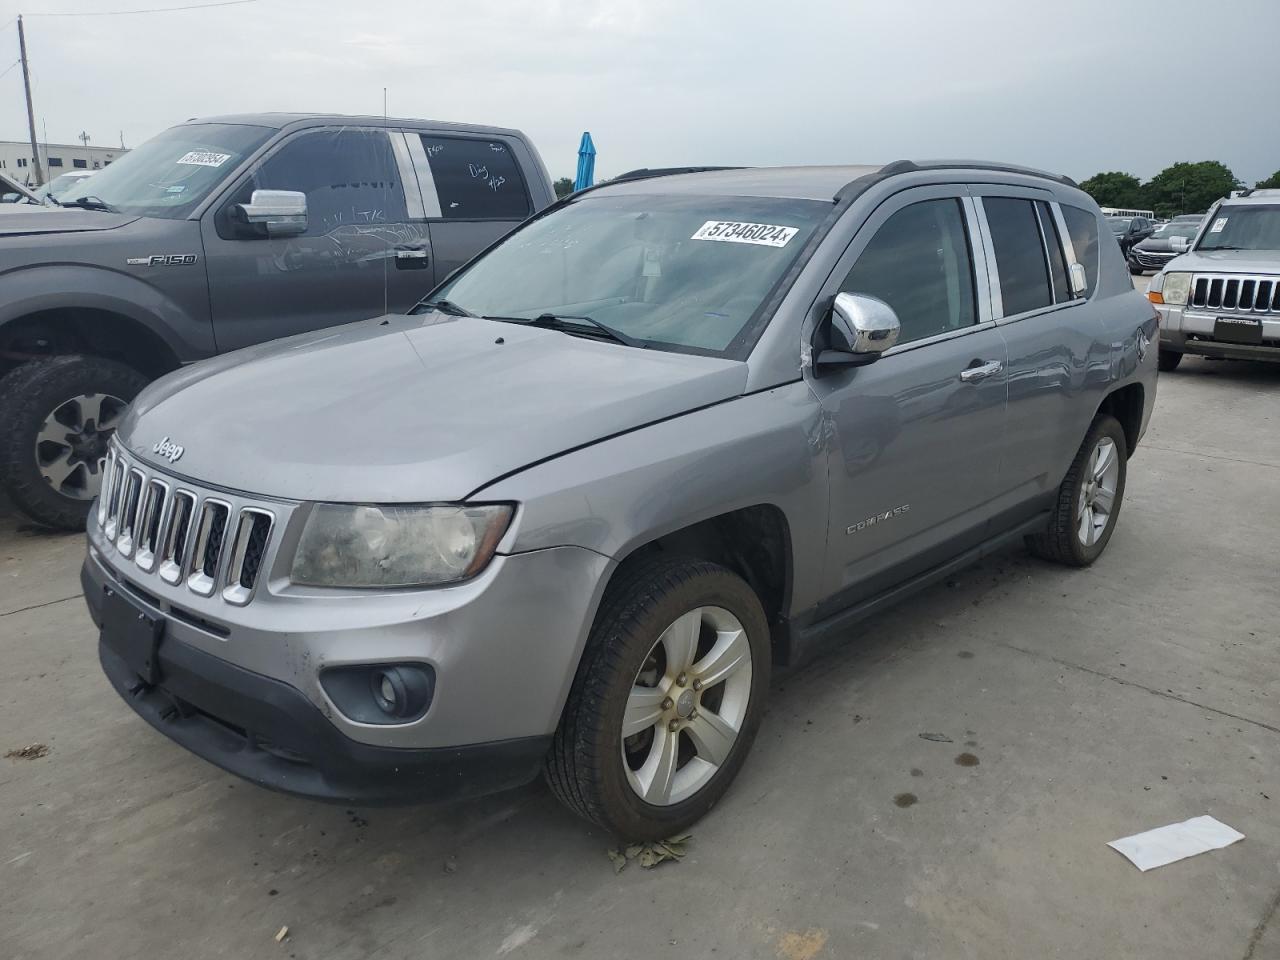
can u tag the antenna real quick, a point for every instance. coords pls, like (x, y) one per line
(386, 128)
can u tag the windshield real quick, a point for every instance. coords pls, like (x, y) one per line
(171, 173)
(58, 185)
(1244, 227)
(676, 272)
(1178, 228)
(1119, 224)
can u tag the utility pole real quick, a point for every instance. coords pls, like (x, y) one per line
(31, 113)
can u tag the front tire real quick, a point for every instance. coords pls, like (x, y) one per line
(56, 417)
(1168, 360)
(1088, 504)
(667, 699)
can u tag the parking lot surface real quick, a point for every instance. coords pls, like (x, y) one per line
(1065, 708)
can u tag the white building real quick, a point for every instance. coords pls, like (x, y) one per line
(56, 158)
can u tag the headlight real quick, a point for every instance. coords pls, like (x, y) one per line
(347, 545)
(1174, 288)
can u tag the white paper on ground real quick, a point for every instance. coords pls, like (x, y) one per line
(1175, 842)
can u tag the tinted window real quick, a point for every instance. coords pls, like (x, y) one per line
(1083, 228)
(476, 179)
(1015, 234)
(919, 263)
(349, 176)
(1057, 262)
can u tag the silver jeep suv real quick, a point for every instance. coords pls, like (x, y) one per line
(568, 514)
(1221, 297)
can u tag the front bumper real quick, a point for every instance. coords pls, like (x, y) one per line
(1188, 330)
(240, 686)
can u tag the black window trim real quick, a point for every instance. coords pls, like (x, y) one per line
(900, 199)
(506, 141)
(997, 303)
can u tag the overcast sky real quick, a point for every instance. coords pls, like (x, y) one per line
(1074, 87)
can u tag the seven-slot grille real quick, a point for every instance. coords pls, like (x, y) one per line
(182, 535)
(1235, 292)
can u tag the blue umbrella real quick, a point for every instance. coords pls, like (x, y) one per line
(586, 163)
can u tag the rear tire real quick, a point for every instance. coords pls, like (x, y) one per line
(75, 403)
(681, 740)
(1168, 360)
(1088, 504)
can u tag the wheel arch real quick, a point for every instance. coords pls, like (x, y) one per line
(754, 542)
(96, 331)
(1126, 404)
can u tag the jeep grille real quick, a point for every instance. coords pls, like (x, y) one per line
(184, 536)
(1243, 294)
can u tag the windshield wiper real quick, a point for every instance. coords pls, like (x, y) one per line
(449, 307)
(570, 324)
(89, 203)
(1225, 246)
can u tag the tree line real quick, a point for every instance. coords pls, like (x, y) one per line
(1181, 188)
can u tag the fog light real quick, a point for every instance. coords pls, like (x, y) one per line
(380, 693)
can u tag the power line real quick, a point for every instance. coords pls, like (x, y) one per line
(126, 13)
(10, 67)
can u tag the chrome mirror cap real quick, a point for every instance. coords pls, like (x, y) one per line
(1179, 244)
(868, 323)
(282, 212)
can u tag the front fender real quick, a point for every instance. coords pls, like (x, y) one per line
(621, 493)
(54, 286)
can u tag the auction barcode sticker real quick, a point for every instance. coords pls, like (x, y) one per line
(734, 231)
(204, 158)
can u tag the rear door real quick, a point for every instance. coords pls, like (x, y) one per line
(473, 192)
(1050, 333)
(348, 265)
(914, 469)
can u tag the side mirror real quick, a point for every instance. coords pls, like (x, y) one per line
(859, 330)
(1179, 244)
(1079, 280)
(281, 213)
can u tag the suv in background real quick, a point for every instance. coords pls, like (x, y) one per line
(1221, 297)
(1155, 251)
(218, 234)
(1129, 231)
(568, 514)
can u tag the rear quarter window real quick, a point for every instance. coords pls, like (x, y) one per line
(476, 179)
(1083, 228)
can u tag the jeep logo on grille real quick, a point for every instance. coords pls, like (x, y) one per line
(170, 451)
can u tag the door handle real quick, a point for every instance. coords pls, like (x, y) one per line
(981, 372)
(412, 258)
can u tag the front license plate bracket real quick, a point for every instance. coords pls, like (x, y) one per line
(133, 634)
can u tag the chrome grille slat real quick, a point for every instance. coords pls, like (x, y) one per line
(1235, 293)
(206, 556)
(177, 536)
(191, 539)
(247, 549)
(129, 503)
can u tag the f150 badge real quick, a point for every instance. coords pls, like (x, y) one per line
(162, 259)
(167, 449)
(878, 518)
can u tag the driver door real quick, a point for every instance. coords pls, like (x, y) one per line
(360, 255)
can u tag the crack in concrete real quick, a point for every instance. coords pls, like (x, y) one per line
(1211, 456)
(1261, 928)
(1142, 686)
(37, 606)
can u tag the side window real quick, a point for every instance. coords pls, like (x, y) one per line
(1057, 262)
(1015, 234)
(1083, 227)
(350, 178)
(919, 263)
(475, 179)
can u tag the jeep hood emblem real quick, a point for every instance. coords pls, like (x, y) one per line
(170, 451)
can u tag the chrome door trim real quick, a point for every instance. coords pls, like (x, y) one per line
(1068, 248)
(1044, 249)
(980, 245)
(422, 171)
(408, 176)
(993, 269)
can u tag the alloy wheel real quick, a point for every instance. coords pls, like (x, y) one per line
(72, 443)
(687, 705)
(1098, 492)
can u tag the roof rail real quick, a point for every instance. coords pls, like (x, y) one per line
(909, 166)
(646, 173)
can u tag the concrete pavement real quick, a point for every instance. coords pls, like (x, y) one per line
(1098, 703)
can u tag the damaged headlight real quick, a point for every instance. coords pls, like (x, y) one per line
(397, 545)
